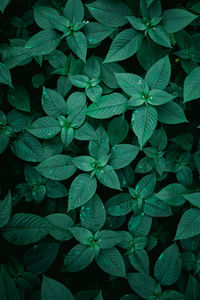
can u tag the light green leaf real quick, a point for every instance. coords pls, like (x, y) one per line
(53, 103)
(124, 45)
(52, 290)
(144, 122)
(74, 11)
(132, 84)
(189, 224)
(108, 177)
(19, 98)
(111, 13)
(111, 262)
(96, 32)
(122, 155)
(24, 229)
(44, 128)
(168, 266)
(81, 190)
(57, 167)
(60, 223)
(99, 147)
(171, 113)
(193, 198)
(108, 239)
(5, 76)
(158, 76)
(77, 42)
(82, 235)
(174, 20)
(5, 209)
(27, 147)
(43, 42)
(173, 194)
(85, 132)
(108, 106)
(159, 97)
(78, 258)
(191, 85)
(80, 81)
(160, 36)
(142, 284)
(84, 162)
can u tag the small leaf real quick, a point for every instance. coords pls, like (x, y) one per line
(77, 42)
(44, 128)
(173, 194)
(108, 177)
(53, 104)
(142, 284)
(5, 76)
(122, 155)
(119, 205)
(60, 223)
(117, 130)
(171, 113)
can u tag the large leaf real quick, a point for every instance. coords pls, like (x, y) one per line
(111, 13)
(8, 288)
(57, 167)
(122, 155)
(139, 259)
(44, 128)
(78, 258)
(144, 122)
(119, 205)
(111, 262)
(168, 266)
(142, 284)
(96, 32)
(176, 19)
(74, 11)
(81, 190)
(154, 207)
(191, 85)
(125, 44)
(158, 76)
(60, 222)
(171, 113)
(53, 103)
(108, 106)
(132, 84)
(189, 224)
(19, 98)
(108, 177)
(93, 214)
(54, 290)
(43, 42)
(27, 148)
(5, 209)
(78, 43)
(24, 229)
(173, 194)
(117, 130)
(45, 16)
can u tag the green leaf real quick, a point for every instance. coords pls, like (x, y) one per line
(3, 5)
(191, 85)
(189, 224)
(119, 205)
(78, 258)
(154, 207)
(192, 288)
(173, 194)
(5, 76)
(84, 163)
(108, 239)
(144, 122)
(43, 42)
(82, 235)
(52, 289)
(80, 81)
(60, 223)
(85, 132)
(111, 262)
(77, 42)
(45, 16)
(16, 56)
(160, 36)
(124, 45)
(122, 155)
(24, 229)
(57, 167)
(8, 287)
(132, 84)
(44, 128)
(74, 11)
(108, 177)
(108, 106)
(81, 190)
(93, 214)
(108, 74)
(158, 76)
(110, 13)
(53, 103)
(146, 185)
(96, 32)
(142, 284)
(99, 147)
(139, 259)
(27, 148)
(19, 98)
(159, 97)
(176, 19)
(171, 113)
(5, 209)
(172, 295)
(168, 266)
(117, 130)
(193, 198)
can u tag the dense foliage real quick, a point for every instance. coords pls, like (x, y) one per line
(100, 150)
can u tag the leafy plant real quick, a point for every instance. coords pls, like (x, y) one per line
(100, 150)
